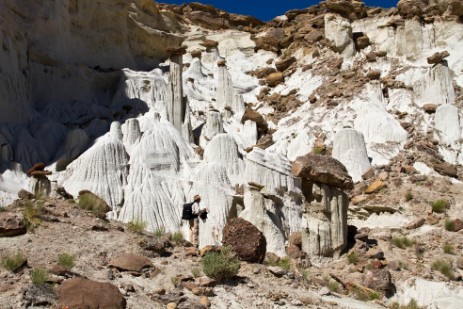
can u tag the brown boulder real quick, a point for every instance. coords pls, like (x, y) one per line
(245, 239)
(296, 239)
(275, 79)
(25, 195)
(207, 249)
(446, 169)
(438, 57)
(409, 8)
(270, 40)
(250, 114)
(313, 36)
(84, 293)
(379, 280)
(430, 108)
(293, 251)
(261, 73)
(285, 63)
(455, 7)
(376, 186)
(209, 44)
(362, 42)
(12, 224)
(457, 225)
(351, 10)
(322, 169)
(90, 201)
(131, 262)
(374, 74)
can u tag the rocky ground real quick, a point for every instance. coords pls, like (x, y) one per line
(381, 267)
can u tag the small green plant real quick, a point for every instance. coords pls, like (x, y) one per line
(31, 214)
(284, 263)
(353, 257)
(318, 150)
(444, 268)
(449, 225)
(66, 260)
(13, 261)
(439, 206)
(175, 281)
(448, 249)
(374, 296)
(360, 294)
(408, 196)
(221, 265)
(159, 232)
(93, 203)
(177, 238)
(412, 304)
(196, 272)
(136, 226)
(333, 286)
(403, 242)
(39, 276)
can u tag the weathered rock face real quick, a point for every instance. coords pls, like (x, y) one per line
(411, 8)
(131, 262)
(245, 239)
(347, 8)
(322, 169)
(338, 31)
(84, 293)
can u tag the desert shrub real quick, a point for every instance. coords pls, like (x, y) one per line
(318, 150)
(31, 214)
(159, 232)
(403, 242)
(93, 203)
(136, 226)
(177, 238)
(444, 268)
(353, 257)
(196, 272)
(333, 286)
(374, 296)
(360, 294)
(66, 260)
(221, 265)
(13, 261)
(448, 248)
(408, 196)
(439, 206)
(449, 225)
(412, 304)
(39, 276)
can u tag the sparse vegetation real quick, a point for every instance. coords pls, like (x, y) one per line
(439, 206)
(333, 286)
(31, 214)
(318, 150)
(136, 226)
(93, 203)
(66, 260)
(159, 232)
(403, 242)
(408, 196)
(412, 304)
(353, 257)
(177, 238)
(449, 225)
(284, 263)
(444, 267)
(403, 265)
(360, 294)
(196, 272)
(39, 276)
(448, 248)
(13, 261)
(221, 265)
(374, 296)
(175, 280)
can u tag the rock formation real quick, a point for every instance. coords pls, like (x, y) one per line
(225, 94)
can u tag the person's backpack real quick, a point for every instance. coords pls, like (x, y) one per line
(187, 213)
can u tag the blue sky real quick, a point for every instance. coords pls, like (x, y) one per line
(268, 9)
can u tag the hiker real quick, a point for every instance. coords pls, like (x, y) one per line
(192, 212)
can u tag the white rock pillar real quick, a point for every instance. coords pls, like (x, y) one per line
(338, 30)
(175, 103)
(225, 96)
(212, 127)
(350, 149)
(324, 222)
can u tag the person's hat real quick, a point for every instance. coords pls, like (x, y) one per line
(196, 197)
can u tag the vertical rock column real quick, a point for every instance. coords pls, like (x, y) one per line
(225, 96)
(176, 104)
(39, 184)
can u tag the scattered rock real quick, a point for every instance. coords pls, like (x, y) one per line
(375, 254)
(322, 169)
(42, 295)
(438, 57)
(446, 169)
(379, 280)
(374, 74)
(275, 79)
(296, 239)
(277, 271)
(131, 262)
(245, 239)
(457, 225)
(207, 249)
(293, 251)
(158, 245)
(84, 293)
(25, 195)
(324, 291)
(430, 108)
(12, 224)
(206, 281)
(376, 186)
(285, 63)
(416, 224)
(204, 300)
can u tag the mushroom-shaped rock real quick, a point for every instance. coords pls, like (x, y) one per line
(245, 239)
(438, 57)
(85, 293)
(322, 169)
(131, 262)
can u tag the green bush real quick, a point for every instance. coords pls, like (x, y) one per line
(444, 267)
(66, 260)
(449, 249)
(196, 272)
(318, 150)
(39, 276)
(93, 203)
(31, 214)
(439, 206)
(159, 233)
(412, 304)
(353, 257)
(408, 196)
(449, 225)
(136, 226)
(177, 238)
(333, 286)
(221, 265)
(402, 242)
(13, 261)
